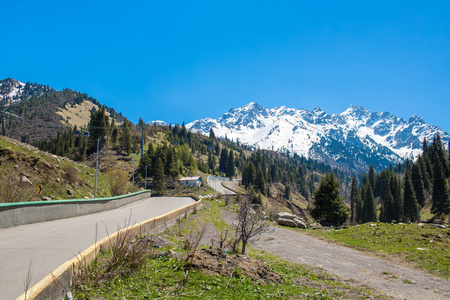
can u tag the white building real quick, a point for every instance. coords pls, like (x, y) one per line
(192, 181)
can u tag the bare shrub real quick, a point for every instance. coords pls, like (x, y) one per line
(221, 240)
(118, 182)
(71, 174)
(191, 243)
(249, 224)
(12, 191)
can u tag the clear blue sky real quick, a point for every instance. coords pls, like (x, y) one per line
(185, 60)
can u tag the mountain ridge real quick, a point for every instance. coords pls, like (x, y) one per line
(353, 139)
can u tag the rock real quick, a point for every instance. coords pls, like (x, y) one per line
(373, 225)
(439, 226)
(58, 180)
(44, 198)
(24, 181)
(286, 222)
(315, 226)
(52, 197)
(69, 192)
(301, 224)
(85, 197)
(284, 215)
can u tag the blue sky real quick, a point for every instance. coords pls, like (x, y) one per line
(185, 60)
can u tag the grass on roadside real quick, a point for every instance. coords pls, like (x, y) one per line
(164, 276)
(426, 246)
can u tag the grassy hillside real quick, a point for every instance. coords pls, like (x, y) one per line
(56, 174)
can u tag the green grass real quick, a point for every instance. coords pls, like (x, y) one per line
(163, 277)
(426, 246)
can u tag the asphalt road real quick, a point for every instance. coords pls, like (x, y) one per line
(216, 183)
(48, 245)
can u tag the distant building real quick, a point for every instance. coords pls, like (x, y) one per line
(192, 181)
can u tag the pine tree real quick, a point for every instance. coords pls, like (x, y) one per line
(329, 206)
(419, 189)
(158, 177)
(260, 182)
(388, 210)
(411, 208)
(398, 199)
(223, 160)
(230, 169)
(371, 178)
(354, 195)
(211, 134)
(440, 197)
(370, 213)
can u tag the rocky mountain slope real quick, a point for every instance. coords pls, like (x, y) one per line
(351, 140)
(45, 111)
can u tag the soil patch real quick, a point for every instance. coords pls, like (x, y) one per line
(214, 261)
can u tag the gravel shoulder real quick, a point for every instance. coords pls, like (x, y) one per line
(385, 276)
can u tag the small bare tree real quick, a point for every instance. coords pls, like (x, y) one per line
(250, 222)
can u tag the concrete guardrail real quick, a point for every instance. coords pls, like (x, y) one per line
(22, 213)
(58, 283)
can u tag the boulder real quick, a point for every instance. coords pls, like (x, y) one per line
(69, 192)
(285, 215)
(315, 226)
(286, 222)
(300, 224)
(24, 181)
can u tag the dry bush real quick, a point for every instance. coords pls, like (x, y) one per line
(118, 182)
(12, 191)
(250, 223)
(71, 175)
(222, 239)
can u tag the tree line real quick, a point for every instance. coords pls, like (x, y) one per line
(401, 192)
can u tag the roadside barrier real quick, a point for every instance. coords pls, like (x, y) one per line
(58, 283)
(22, 213)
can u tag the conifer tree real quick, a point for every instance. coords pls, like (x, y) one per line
(260, 182)
(440, 196)
(411, 209)
(211, 134)
(230, 169)
(329, 207)
(158, 177)
(371, 178)
(419, 189)
(388, 209)
(398, 199)
(354, 195)
(370, 213)
(223, 160)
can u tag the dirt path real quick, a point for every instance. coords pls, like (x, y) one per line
(385, 276)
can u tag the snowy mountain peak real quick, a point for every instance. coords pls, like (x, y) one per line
(13, 91)
(352, 140)
(416, 119)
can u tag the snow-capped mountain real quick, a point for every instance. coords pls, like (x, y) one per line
(352, 140)
(13, 91)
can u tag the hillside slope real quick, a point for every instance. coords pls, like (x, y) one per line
(23, 168)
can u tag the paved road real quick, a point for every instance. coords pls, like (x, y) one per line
(216, 183)
(48, 245)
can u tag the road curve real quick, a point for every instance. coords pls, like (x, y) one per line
(216, 183)
(48, 245)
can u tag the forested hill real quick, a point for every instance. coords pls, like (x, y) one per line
(44, 111)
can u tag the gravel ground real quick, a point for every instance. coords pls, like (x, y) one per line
(387, 277)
